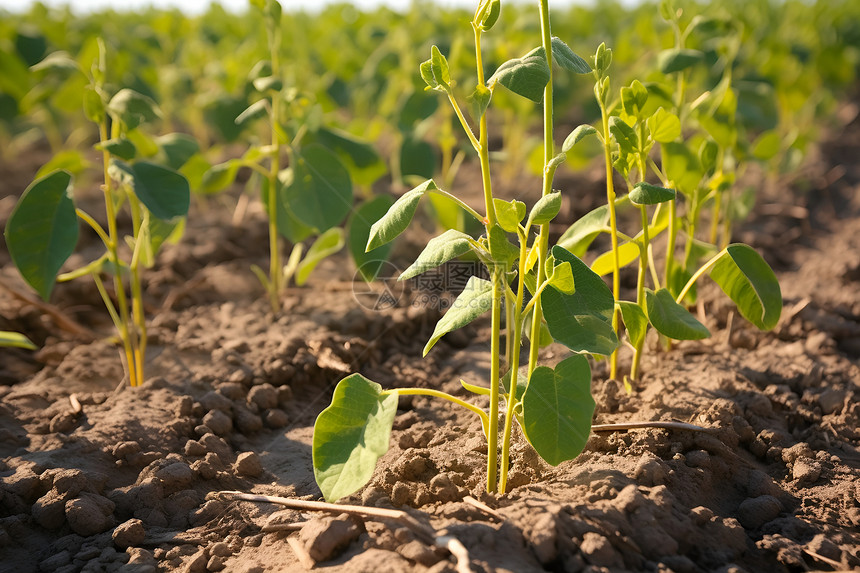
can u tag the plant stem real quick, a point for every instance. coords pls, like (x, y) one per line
(275, 267)
(138, 316)
(704, 268)
(613, 225)
(643, 263)
(483, 151)
(111, 245)
(493, 429)
(515, 334)
(439, 394)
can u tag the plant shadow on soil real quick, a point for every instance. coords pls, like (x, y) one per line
(232, 395)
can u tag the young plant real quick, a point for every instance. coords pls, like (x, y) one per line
(631, 128)
(11, 339)
(42, 230)
(552, 405)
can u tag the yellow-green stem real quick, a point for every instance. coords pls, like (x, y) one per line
(483, 151)
(438, 394)
(119, 287)
(493, 429)
(613, 225)
(138, 317)
(643, 264)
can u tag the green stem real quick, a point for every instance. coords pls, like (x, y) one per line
(705, 268)
(111, 246)
(459, 202)
(493, 429)
(515, 329)
(275, 267)
(613, 225)
(443, 395)
(483, 151)
(643, 261)
(138, 317)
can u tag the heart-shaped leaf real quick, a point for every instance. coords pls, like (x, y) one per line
(42, 230)
(557, 409)
(162, 190)
(582, 321)
(526, 76)
(350, 435)
(320, 193)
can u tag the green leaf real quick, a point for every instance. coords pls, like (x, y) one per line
(767, 146)
(320, 193)
(501, 249)
(474, 389)
(582, 233)
(288, 226)
(364, 162)
(647, 194)
(426, 69)
(677, 59)
(397, 219)
(154, 233)
(602, 59)
(417, 157)
(256, 110)
(708, 155)
(42, 230)
(627, 253)
(16, 340)
(576, 136)
(490, 14)
(562, 278)
(178, 148)
(449, 245)
(324, 246)
(94, 105)
(439, 66)
(634, 320)
(369, 263)
(350, 435)
(219, 177)
(545, 209)
(120, 147)
(67, 160)
(567, 59)
(475, 300)
(132, 108)
(627, 139)
(671, 319)
(509, 213)
(479, 101)
(557, 409)
(526, 76)
(163, 191)
(581, 321)
(633, 98)
(749, 281)
(682, 166)
(268, 83)
(664, 126)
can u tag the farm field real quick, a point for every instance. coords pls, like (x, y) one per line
(199, 294)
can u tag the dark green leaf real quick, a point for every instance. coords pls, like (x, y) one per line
(449, 245)
(748, 280)
(501, 249)
(581, 321)
(398, 216)
(120, 147)
(132, 108)
(475, 300)
(361, 220)
(320, 193)
(567, 59)
(526, 76)
(627, 139)
(671, 319)
(350, 435)
(677, 59)
(42, 230)
(647, 194)
(162, 190)
(557, 409)
(178, 148)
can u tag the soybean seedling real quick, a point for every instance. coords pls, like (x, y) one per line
(552, 405)
(43, 228)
